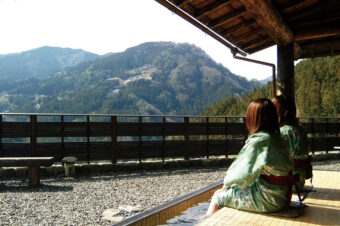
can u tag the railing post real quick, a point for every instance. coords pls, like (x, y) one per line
(245, 133)
(326, 143)
(207, 141)
(1, 151)
(163, 139)
(114, 139)
(312, 130)
(140, 121)
(226, 136)
(186, 137)
(88, 138)
(62, 129)
(33, 138)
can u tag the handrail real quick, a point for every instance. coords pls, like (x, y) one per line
(119, 115)
(151, 116)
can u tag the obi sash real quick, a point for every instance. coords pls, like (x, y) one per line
(286, 181)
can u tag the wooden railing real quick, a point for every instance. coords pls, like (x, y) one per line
(126, 137)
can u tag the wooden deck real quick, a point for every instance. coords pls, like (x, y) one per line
(323, 207)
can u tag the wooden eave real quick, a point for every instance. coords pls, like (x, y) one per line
(253, 25)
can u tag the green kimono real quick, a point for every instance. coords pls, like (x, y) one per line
(264, 153)
(297, 141)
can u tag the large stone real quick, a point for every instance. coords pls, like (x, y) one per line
(69, 165)
(69, 159)
(111, 215)
(111, 212)
(113, 219)
(129, 209)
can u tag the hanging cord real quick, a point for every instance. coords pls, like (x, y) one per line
(234, 51)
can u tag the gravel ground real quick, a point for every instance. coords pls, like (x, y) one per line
(83, 199)
(327, 165)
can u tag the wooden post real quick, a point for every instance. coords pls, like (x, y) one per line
(1, 151)
(62, 129)
(114, 139)
(245, 131)
(226, 136)
(285, 63)
(163, 139)
(207, 141)
(33, 138)
(33, 176)
(88, 138)
(326, 136)
(140, 121)
(313, 135)
(186, 138)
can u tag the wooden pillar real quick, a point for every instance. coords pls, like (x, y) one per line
(186, 137)
(33, 138)
(114, 139)
(285, 68)
(33, 176)
(1, 151)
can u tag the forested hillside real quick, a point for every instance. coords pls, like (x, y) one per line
(152, 78)
(317, 85)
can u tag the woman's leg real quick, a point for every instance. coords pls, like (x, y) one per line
(213, 207)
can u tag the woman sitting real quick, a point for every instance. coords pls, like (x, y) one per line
(259, 179)
(295, 137)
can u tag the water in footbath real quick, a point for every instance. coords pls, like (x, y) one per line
(191, 216)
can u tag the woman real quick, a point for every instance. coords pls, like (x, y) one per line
(295, 137)
(259, 179)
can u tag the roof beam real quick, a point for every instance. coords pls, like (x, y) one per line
(318, 32)
(269, 18)
(322, 43)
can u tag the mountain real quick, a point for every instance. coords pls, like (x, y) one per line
(152, 78)
(40, 62)
(266, 80)
(317, 91)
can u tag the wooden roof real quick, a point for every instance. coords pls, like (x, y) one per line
(253, 25)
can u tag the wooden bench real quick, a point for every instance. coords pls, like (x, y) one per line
(33, 164)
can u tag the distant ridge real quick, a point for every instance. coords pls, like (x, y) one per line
(40, 62)
(266, 80)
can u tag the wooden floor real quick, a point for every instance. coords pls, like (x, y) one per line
(323, 207)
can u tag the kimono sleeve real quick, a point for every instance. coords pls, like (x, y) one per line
(247, 166)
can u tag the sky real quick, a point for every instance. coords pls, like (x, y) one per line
(103, 26)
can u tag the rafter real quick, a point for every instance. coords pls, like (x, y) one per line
(211, 8)
(235, 28)
(247, 35)
(269, 18)
(256, 42)
(227, 18)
